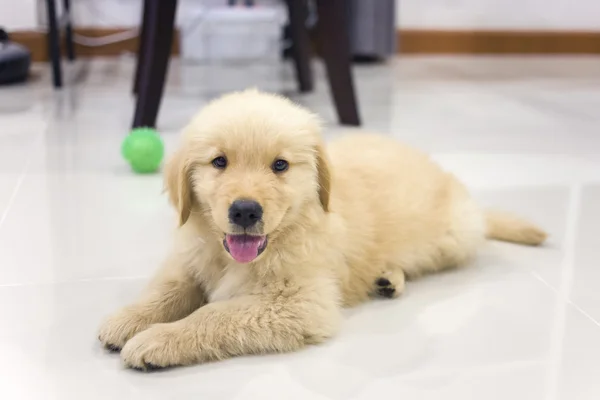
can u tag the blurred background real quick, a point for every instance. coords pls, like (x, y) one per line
(345, 58)
(503, 93)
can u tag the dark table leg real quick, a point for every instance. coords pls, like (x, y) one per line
(300, 45)
(335, 48)
(53, 44)
(155, 62)
(69, 31)
(142, 44)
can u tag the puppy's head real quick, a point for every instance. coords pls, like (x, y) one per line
(250, 163)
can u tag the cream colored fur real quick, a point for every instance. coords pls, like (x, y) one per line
(337, 220)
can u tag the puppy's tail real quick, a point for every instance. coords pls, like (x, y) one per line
(507, 228)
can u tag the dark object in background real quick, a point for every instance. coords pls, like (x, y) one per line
(15, 60)
(309, 18)
(372, 29)
(247, 3)
(57, 22)
(286, 51)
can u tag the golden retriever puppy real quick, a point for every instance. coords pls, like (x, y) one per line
(277, 234)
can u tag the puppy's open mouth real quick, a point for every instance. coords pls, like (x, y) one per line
(244, 248)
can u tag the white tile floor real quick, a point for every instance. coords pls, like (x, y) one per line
(79, 235)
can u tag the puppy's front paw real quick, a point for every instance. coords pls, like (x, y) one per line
(160, 346)
(121, 327)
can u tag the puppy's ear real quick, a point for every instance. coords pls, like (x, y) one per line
(178, 185)
(323, 176)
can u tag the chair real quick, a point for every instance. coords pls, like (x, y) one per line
(158, 24)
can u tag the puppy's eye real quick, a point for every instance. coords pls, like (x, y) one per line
(219, 162)
(280, 166)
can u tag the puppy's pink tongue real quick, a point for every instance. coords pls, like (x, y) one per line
(244, 248)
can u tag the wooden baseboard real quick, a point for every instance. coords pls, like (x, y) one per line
(409, 42)
(34, 41)
(37, 43)
(497, 42)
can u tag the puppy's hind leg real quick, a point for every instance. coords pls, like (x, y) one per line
(390, 284)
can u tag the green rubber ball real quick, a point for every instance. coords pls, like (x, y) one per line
(143, 149)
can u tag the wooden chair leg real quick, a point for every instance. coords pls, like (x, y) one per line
(142, 41)
(54, 44)
(335, 48)
(154, 65)
(300, 45)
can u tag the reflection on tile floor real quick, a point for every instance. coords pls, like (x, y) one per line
(79, 235)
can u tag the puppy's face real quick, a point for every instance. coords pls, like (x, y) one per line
(249, 165)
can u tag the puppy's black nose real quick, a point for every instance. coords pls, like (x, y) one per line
(245, 213)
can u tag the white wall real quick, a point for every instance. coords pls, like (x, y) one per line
(18, 14)
(499, 14)
(425, 14)
(26, 14)
(128, 12)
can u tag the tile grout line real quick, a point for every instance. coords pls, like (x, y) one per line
(563, 294)
(570, 302)
(584, 313)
